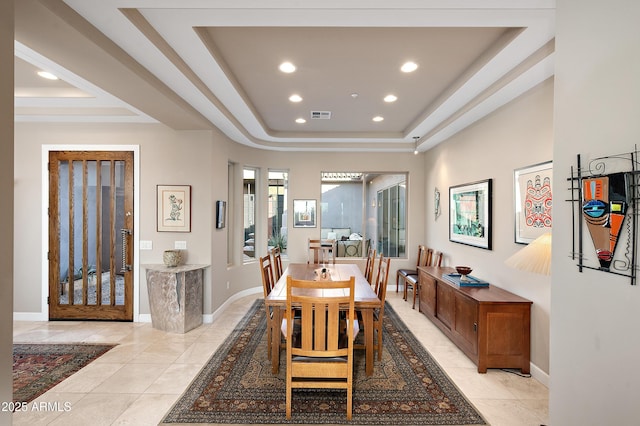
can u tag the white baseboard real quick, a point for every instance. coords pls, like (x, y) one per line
(539, 375)
(206, 318)
(209, 318)
(30, 316)
(143, 318)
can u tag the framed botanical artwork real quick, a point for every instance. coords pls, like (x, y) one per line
(304, 213)
(470, 214)
(174, 208)
(532, 201)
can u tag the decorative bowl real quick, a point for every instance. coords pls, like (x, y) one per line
(464, 270)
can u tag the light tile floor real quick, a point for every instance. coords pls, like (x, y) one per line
(138, 381)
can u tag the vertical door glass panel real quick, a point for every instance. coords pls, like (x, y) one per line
(105, 230)
(76, 206)
(63, 221)
(91, 234)
(116, 288)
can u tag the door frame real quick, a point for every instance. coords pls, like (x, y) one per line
(45, 218)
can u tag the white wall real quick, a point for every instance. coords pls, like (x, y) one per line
(515, 136)
(594, 334)
(6, 213)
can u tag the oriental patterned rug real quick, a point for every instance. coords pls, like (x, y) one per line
(408, 387)
(39, 367)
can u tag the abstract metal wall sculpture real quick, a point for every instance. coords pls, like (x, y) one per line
(607, 194)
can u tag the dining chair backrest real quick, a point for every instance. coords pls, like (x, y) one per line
(381, 291)
(423, 256)
(320, 350)
(382, 277)
(321, 251)
(276, 260)
(436, 259)
(368, 268)
(266, 271)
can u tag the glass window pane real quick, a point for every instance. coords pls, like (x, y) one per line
(249, 193)
(277, 210)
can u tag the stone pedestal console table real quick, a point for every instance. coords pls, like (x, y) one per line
(175, 296)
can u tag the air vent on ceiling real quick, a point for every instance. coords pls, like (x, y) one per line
(320, 115)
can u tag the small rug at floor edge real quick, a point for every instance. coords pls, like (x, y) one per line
(37, 367)
(408, 387)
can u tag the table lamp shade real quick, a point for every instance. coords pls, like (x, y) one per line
(535, 257)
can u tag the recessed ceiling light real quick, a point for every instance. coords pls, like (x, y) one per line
(300, 120)
(354, 95)
(287, 67)
(409, 67)
(378, 118)
(47, 75)
(295, 98)
(390, 98)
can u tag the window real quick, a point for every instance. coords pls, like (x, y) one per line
(249, 193)
(363, 210)
(231, 175)
(277, 210)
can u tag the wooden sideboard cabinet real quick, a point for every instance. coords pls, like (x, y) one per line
(489, 324)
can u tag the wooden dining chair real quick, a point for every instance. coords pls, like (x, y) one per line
(411, 278)
(380, 284)
(433, 259)
(266, 271)
(368, 268)
(381, 290)
(321, 251)
(320, 350)
(276, 260)
(403, 273)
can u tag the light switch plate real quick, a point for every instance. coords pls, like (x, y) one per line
(146, 245)
(180, 245)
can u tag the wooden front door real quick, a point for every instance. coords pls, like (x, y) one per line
(91, 235)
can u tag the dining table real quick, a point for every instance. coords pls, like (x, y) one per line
(365, 300)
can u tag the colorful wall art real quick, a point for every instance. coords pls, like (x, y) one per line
(605, 201)
(605, 194)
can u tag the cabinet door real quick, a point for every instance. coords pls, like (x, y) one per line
(466, 322)
(445, 306)
(427, 294)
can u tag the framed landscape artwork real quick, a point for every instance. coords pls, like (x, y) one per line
(304, 213)
(470, 214)
(532, 201)
(174, 208)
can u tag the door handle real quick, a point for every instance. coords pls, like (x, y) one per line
(125, 249)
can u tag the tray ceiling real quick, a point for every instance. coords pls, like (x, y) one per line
(201, 64)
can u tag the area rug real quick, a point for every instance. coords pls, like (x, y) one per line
(39, 367)
(407, 387)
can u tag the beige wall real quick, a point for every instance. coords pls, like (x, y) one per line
(166, 157)
(6, 212)
(520, 133)
(517, 135)
(200, 159)
(595, 315)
